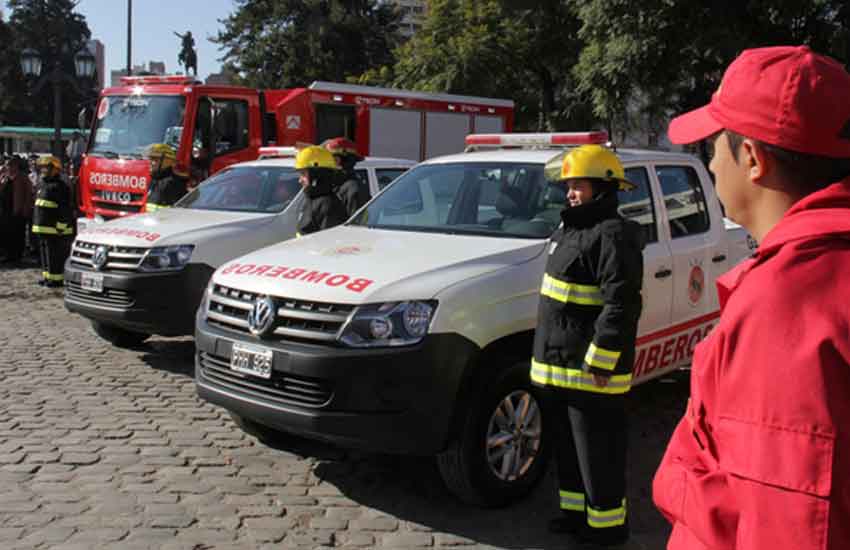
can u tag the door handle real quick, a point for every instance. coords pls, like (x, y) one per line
(719, 258)
(663, 273)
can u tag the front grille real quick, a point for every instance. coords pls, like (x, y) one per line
(109, 297)
(118, 207)
(120, 258)
(296, 320)
(284, 389)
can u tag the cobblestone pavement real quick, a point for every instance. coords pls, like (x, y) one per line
(108, 448)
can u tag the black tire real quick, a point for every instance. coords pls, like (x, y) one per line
(264, 434)
(465, 465)
(118, 336)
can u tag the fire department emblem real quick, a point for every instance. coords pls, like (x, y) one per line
(261, 316)
(696, 284)
(100, 257)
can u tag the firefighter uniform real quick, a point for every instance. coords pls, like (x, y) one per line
(52, 221)
(167, 186)
(321, 208)
(351, 191)
(587, 324)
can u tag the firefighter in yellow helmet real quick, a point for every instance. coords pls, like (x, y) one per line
(167, 185)
(584, 344)
(51, 221)
(321, 208)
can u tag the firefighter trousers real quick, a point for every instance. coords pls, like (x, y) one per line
(590, 451)
(53, 251)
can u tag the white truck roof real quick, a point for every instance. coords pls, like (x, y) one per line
(543, 155)
(368, 162)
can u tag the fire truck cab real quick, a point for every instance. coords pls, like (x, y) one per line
(212, 127)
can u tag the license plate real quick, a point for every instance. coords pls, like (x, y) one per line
(93, 282)
(252, 360)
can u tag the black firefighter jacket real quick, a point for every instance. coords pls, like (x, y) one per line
(321, 208)
(166, 189)
(590, 300)
(353, 193)
(53, 210)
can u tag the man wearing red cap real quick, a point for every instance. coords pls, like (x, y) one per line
(761, 459)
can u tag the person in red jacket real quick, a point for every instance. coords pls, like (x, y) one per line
(761, 459)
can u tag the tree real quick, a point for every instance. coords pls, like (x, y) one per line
(501, 48)
(287, 43)
(643, 61)
(54, 30)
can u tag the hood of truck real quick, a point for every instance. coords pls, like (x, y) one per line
(355, 265)
(168, 227)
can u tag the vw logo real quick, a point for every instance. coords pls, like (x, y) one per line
(100, 257)
(261, 316)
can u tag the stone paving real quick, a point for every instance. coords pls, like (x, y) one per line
(108, 448)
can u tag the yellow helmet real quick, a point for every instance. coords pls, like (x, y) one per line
(49, 163)
(314, 156)
(164, 153)
(594, 162)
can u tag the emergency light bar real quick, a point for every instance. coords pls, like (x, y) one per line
(276, 152)
(157, 79)
(536, 140)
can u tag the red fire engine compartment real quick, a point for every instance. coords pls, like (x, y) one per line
(228, 124)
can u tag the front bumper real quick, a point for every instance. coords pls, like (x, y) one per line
(153, 303)
(395, 400)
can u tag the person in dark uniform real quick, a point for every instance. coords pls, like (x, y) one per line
(167, 185)
(321, 208)
(52, 221)
(584, 345)
(353, 192)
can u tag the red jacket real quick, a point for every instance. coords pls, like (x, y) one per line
(761, 459)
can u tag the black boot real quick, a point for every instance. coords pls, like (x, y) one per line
(571, 523)
(610, 536)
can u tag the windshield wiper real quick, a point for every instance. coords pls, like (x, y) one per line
(104, 154)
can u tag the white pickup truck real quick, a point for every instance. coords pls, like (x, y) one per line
(409, 329)
(145, 274)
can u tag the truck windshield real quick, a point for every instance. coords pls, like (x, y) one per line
(128, 124)
(246, 189)
(492, 199)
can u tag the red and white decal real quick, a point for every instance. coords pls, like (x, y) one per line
(145, 235)
(696, 284)
(303, 275)
(671, 346)
(103, 108)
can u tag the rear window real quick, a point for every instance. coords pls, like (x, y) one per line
(246, 189)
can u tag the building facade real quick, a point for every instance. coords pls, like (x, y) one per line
(413, 13)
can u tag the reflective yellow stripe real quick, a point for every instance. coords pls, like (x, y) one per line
(51, 277)
(577, 379)
(572, 501)
(44, 203)
(297, 235)
(601, 358)
(44, 230)
(601, 519)
(153, 207)
(586, 295)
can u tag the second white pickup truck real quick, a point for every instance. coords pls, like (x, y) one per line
(409, 329)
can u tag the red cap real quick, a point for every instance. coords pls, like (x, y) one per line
(785, 96)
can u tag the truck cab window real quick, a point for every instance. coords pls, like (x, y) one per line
(687, 210)
(637, 205)
(230, 125)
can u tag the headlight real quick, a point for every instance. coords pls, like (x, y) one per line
(167, 258)
(391, 324)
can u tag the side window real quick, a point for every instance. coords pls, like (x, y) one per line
(387, 175)
(230, 125)
(636, 205)
(684, 200)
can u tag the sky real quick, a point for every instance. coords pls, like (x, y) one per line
(154, 22)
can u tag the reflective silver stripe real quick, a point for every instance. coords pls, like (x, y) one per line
(586, 295)
(601, 519)
(601, 358)
(572, 501)
(576, 379)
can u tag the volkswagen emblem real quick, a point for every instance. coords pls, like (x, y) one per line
(261, 317)
(100, 257)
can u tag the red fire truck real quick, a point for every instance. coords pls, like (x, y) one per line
(215, 126)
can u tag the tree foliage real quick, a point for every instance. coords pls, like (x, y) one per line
(287, 43)
(56, 32)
